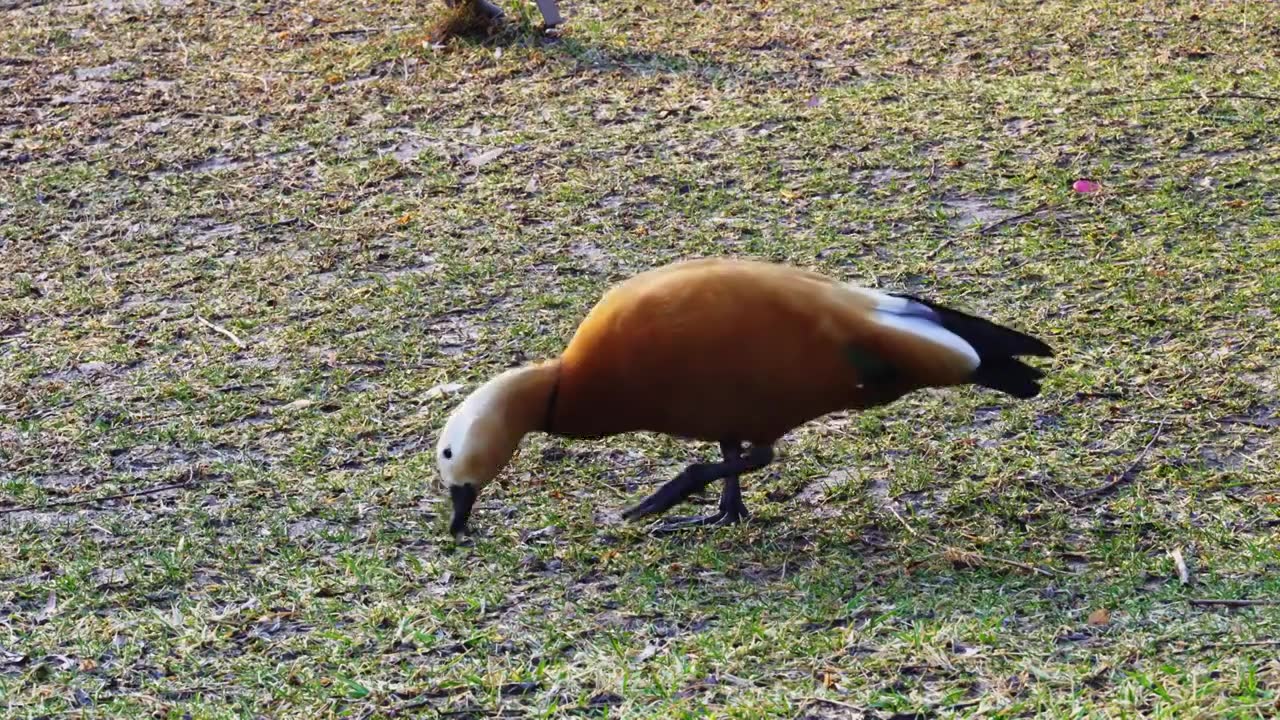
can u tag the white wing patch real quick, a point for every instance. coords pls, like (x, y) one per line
(896, 312)
(931, 331)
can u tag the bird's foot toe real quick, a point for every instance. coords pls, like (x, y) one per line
(720, 518)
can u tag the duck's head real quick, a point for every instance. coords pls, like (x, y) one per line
(484, 431)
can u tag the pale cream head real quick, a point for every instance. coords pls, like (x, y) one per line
(484, 431)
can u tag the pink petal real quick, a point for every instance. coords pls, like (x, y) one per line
(1085, 186)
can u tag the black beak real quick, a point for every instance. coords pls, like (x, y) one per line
(464, 497)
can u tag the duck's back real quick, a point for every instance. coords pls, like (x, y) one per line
(719, 349)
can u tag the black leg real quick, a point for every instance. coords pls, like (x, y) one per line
(731, 506)
(731, 510)
(698, 476)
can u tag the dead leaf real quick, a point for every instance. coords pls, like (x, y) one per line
(1184, 575)
(1193, 53)
(960, 558)
(298, 404)
(1101, 616)
(61, 662)
(443, 389)
(486, 157)
(103, 577)
(50, 609)
(649, 651)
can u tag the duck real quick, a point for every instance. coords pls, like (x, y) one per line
(732, 351)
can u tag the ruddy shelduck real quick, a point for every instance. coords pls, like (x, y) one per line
(735, 352)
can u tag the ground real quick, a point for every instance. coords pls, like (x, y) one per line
(254, 252)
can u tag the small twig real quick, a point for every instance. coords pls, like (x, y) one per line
(1265, 422)
(1106, 395)
(959, 554)
(836, 703)
(501, 713)
(1024, 566)
(1130, 472)
(939, 248)
(1141, 421)
(360, 31)
(988, 228)
(323, 226)
(266, 86)
(1249, 643)
(1013, 218)
(272, 225)
(469, 308)
(191, 473)
(1184, 576)
(912, 530)
(220, 329)
(422, 701)
(1230, 602)
(1186, 96)
(655, 480)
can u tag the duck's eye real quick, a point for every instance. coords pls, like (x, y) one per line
(447, 453)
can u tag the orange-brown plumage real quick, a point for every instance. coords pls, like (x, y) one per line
(735, 351)
(712, 349)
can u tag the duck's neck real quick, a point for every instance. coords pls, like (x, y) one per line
(529, 394)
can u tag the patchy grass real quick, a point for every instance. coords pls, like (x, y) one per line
(249, 248)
